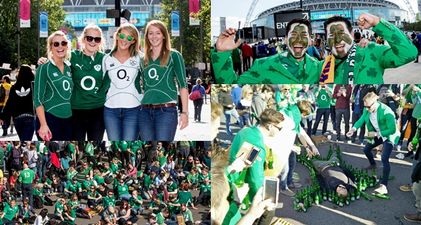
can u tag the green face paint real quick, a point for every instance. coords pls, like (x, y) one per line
(298, 40)
(339, 39)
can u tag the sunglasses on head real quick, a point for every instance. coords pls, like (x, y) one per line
(90, 39)
(123, 36)
(63, 43)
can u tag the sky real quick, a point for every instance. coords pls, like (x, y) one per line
(236, 10)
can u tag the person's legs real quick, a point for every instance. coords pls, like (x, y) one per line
(146, 125)
(97, 128)
(338, 123)
(291, 164)
(325, 114)
(61, 129)
(333, 115)
(355, 116)
(415, 217)
(25, 127)
(113, 123)
(199, 110)
(369, 147)
(228, 122)
(346, 120)
(309, 123)
(387, 149)
(80, 124)
(316, 123)
(166, 121)
(130, 123)
(196, 109)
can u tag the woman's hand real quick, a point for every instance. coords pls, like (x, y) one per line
(45, 133)
(183, 120)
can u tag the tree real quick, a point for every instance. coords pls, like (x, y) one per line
(192, 46)
(28, 36)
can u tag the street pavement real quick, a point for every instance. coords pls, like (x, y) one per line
(376, 212)
(196, 131)
(407, 74)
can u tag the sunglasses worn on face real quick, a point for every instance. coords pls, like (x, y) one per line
(368, 107)
(286, 89)
(279, 128)
(63, 43)
(90, 39)
(123, 36)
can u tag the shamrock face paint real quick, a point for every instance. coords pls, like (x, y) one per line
(339, 39)
(298, 40)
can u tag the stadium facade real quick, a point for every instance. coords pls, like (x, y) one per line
(80, 13)
(321, 10)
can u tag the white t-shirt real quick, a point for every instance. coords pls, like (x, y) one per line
(122, 92)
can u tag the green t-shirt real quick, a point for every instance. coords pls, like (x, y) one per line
(10, 212)
(89, 91)
(122, 189)
(71, 148)
(99, 179)
(71, 174)
(107, 201)
(72, 187)
(185, 197)
(159, 82)
(323, 99)
(27, 176)
(134, 203)
(160, 218)
(205, 188)
(53, 89)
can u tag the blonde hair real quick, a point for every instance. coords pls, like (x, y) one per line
(50, 44)
(134, 48)
(164, 55)
(370, 96)
(95, 27)
(220, 186)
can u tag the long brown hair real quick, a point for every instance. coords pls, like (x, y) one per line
(166, 45)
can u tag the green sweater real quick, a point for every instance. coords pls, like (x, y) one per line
(53, 89)
(371, 61)
(277, 69)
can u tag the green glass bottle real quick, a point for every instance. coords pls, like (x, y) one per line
(270, 159)
(317, 198)
(324, 195)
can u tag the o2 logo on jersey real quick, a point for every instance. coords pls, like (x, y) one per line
(323, 98)
(85, 84)
(66, 85)
(153, 74)
(122, 75)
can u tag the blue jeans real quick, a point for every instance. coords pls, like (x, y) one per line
(121, 123)
(286, 175)
(387, 149)
(25, 127)
(158, 124)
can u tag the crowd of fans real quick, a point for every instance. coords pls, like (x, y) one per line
(121, 182)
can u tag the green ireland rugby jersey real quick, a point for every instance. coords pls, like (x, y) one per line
(123, 81)
(53, 89)
(159, 82)
(87, 74)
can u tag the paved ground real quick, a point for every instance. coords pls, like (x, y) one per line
(195, 131)
(406, 74)
(378, 211)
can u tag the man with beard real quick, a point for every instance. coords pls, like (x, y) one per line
(291, 67)
(350, 63)
(247, 158)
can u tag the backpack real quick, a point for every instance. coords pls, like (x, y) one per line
(2, 93)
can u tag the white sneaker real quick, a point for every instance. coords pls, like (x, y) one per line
(398, 148)
(400, 156)
(382, 189)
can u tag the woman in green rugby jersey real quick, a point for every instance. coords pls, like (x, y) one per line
(163, 71)
(52, 91)
(88, 96)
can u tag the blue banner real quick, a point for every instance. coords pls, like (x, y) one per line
(43, 24)
(175, 23)
(81, 19)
